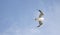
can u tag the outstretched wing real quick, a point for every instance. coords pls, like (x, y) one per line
(41, 13)
(40, 23)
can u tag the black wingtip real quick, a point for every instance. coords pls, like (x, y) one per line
(38, 26)
(39, 10)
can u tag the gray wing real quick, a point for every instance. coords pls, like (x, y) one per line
(41, 13)
(40, 23)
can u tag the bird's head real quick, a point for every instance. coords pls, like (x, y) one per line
(35, 19)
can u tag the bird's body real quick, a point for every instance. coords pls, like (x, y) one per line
(40, 18)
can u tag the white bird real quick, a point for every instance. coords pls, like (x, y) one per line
(40, 18)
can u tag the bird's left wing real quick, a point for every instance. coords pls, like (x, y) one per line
(41, 13)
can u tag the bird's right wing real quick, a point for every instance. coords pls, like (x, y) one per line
(40, 23)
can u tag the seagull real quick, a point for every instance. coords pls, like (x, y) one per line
(40, 18)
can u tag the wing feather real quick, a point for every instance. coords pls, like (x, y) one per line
(40, 23)
(41, 13)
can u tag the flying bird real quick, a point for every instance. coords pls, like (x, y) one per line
(40, 18)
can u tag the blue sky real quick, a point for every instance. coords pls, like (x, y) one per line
(17, 17)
